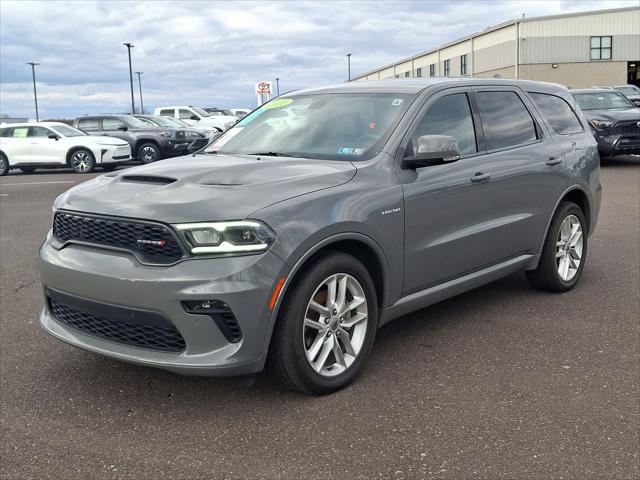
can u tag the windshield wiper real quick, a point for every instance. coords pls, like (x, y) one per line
(269, 154)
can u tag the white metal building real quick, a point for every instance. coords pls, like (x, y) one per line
(577, 50)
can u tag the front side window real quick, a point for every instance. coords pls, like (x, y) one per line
(89, 124)
(601, 48)
(327, 126)
(185, 114)
(463, 64)
(446, 67)
(449, 115)
(432, 70)
(505, 120)
(200, 111)
(558, 113)
(112, 123)
(39, 132)
(602, 101)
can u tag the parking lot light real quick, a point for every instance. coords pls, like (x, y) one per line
(35, 95)
(140, 87)
(133, 105)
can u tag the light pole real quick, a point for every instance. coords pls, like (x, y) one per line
(133, 105)
(140, 86)
(277, 86)
(348, 67)
(35, 94)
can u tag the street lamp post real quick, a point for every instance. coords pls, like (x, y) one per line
(277, 86)
(348, 67)
(35, 94)
(140, 86)
(133, 105)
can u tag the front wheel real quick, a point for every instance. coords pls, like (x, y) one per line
(82, 161)
(564, 252)
(148, 153)
(4, 164)
(326, 327)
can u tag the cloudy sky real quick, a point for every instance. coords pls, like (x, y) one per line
(211, 53)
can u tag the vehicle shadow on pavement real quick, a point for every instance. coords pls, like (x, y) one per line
(620, 161)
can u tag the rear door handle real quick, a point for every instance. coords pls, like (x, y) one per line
(480, 177)
(554, 161)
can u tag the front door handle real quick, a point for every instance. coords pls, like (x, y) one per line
(554, 161)
(480, 177)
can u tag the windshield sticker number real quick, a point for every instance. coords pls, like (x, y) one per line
(350, 151)
(396, 102)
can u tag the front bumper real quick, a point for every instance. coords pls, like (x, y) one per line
(174, 147)
(116, 155)
(612, 143)
(117, 280)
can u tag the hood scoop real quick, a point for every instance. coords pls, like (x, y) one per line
(147, 179)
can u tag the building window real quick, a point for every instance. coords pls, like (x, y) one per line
(418, 72)
(446, 67)
(600, 48)
(397, 76)
(463, 64)
(432, 70)
(407, 74)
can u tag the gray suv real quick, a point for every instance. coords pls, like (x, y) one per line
(318, 218)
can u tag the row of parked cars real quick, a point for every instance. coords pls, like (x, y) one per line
(108, 140)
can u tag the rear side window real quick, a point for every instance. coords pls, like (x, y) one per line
(505, 120)
(558, 113)
(170, 112)
(89, 124)
(449, 115)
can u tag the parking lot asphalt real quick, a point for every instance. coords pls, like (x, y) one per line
(503, 382)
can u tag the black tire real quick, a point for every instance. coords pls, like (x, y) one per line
(82, 161)
(27, 170)
(546, 276)
(148, 152)
(4, 165)
(287, 358)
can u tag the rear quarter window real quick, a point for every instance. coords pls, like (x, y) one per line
(558, 113)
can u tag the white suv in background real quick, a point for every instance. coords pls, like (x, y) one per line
(197, 117)
(28, 146)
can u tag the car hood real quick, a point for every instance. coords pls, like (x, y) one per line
(613, 115)
(85, 140)
(206, 187)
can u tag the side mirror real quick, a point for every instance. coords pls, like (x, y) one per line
(123, 128)
(54, 136)
(194, 117)
(433, 150)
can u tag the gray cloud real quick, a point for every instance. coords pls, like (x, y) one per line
(211, 53)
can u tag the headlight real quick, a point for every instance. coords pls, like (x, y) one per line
(596, 123)
(226, 237)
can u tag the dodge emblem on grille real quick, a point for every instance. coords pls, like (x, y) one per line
(155, 243)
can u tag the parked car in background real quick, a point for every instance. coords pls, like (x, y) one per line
(28, 146)
(196, 116)
(213, 111)
(148, 144)
(289, 243)
(205, 129)
(614, 120)
(196, 137)
(631, 92)
(240, 112)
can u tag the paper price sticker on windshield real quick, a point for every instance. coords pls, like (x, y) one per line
(350, 151)
(279, 102)
(396, 102)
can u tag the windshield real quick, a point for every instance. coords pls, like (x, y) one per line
(176, 122)
(162, 121)
(67, 131)
(326, 126)
(199, 111)
(602, 101)
(148, 122)
(133, 122)
(630, 90)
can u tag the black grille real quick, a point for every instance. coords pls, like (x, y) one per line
(151, 243)
(148, 179)
(628, 127)
(141, 335)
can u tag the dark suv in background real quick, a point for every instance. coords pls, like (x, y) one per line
(148, 144)
(614, 120)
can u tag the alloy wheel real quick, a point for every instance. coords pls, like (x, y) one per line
(81, 162)
(569, 247)
(335, 325)
(148, 154)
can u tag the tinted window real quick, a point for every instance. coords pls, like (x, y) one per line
(450, 115)
(168, 111)
(89, 124)
(602, 101)
(6, 132)
(39, 132)
(558, 113)
(505, 120)
(111, 124)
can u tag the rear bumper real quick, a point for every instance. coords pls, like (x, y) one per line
(115, 286)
